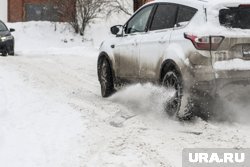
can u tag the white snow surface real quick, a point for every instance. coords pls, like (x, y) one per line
(52, 113)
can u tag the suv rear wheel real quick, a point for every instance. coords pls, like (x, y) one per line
(172, 80)
(106, 79)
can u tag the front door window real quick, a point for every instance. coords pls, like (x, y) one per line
(139, 22)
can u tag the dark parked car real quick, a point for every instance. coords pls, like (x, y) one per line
(6, 40)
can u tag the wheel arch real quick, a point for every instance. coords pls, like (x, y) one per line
(177, 55)
(167, 65)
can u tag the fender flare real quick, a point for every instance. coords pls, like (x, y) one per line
(170, 64)
(175, 55)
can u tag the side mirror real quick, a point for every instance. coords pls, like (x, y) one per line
(116, 29)
(12, 30)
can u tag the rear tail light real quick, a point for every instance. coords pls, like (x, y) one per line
(205, 42)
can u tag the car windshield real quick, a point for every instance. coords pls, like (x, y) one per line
(3, 27)
(235, 17)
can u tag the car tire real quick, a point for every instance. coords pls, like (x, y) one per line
(4, 54)
(179, 106)
(12, 53)
(106, 79)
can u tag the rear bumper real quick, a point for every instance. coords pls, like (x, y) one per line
(233, 75)
(206, 78)
(225, 78)
(222, 80)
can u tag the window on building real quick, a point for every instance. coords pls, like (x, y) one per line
(43, 12)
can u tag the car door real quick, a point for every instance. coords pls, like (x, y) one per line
(156, 40)
(127, 50)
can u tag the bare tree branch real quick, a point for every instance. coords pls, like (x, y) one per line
(118, 6)
(83, 12)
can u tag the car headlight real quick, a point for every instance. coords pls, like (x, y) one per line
(3, 39)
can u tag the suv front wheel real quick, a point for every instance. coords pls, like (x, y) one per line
(106, 79)
(172, 80)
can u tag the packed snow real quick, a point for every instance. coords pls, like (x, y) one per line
(52, 113)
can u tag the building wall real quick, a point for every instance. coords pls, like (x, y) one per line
(17, 9)
(139, 3)
(3, 10)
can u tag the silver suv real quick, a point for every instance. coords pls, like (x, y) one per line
(196, 47)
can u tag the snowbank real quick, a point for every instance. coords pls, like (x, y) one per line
(37, 38)
(46, 38)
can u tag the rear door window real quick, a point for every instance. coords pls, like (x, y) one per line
(185, 14)
(236, 17)
(164, 17)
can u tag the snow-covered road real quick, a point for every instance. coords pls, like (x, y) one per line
(52, 115)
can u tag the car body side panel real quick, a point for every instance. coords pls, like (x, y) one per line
(126, 53)
(152, 47)
(117, 48)
(175, 53)
(106, 49)
(195, 65)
